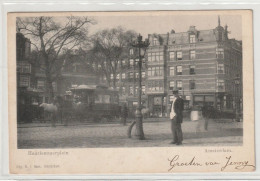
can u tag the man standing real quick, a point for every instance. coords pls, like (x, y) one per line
(205, 110)
(176, 118)
(124, 113)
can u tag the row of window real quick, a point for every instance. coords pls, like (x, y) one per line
(158, 71)
(123, 75)
(23, 67)
(220, 70)
(155, 86)
(192, 84)
(24, 81)
(192, 39)
(179, 70)
(41, 85)
(173, 55)
(155, 71)
(178, 55)
(155, 57)
(178, 85)
(131, 90)
(102, 98)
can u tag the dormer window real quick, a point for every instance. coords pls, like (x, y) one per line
(192, 38)
(155, 41)
(219, 53)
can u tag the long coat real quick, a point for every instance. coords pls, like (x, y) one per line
(178, 109)
(124, 112)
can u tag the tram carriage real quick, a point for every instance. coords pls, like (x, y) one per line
(91, 103)
(28, 106)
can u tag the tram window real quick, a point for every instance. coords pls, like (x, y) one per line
(102, 99)
(34, 101)
(98, 99)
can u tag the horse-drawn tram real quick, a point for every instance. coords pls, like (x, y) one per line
(28, 105)
(91, 103)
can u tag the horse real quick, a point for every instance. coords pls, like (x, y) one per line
(50, 109)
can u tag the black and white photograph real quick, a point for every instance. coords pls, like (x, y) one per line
(131, 92)
(129, 81)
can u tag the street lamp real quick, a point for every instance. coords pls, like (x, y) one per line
(142, 46)
(237, 101)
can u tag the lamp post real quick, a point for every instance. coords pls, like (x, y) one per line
(142, 46)
(237, 101)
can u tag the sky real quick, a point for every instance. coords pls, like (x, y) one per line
(162, 24)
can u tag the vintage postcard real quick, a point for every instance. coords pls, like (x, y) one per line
(131, 92)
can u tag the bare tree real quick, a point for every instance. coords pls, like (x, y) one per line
(109, 49)
(50, 37)
(78, 56)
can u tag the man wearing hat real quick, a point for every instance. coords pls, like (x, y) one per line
(176, 118)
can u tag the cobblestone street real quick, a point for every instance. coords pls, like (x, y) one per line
(157, 133)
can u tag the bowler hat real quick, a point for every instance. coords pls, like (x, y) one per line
(175, 91)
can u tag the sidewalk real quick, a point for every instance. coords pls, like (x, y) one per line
(77, 123)
(157, 134)
(117, 121)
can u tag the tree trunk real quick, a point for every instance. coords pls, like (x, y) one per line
(49, 87)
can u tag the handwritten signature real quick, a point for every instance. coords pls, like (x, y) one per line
(239, 165)
(228, 162)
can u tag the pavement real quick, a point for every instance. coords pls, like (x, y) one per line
(113, 134)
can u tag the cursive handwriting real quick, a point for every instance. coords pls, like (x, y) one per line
(174, 162)
(239, 165)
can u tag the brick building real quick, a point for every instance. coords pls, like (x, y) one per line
(24, 67)
(203, 64)
(27, 95)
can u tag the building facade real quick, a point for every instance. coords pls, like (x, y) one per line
(24, 67)
(204, 65)
(27, 95)
(127, 78)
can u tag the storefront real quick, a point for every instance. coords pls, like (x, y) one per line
(157, 105)
(207, 99)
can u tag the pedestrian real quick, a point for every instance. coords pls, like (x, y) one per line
(124, 114)
(205, 115)
(55, 113)
(176, 118)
